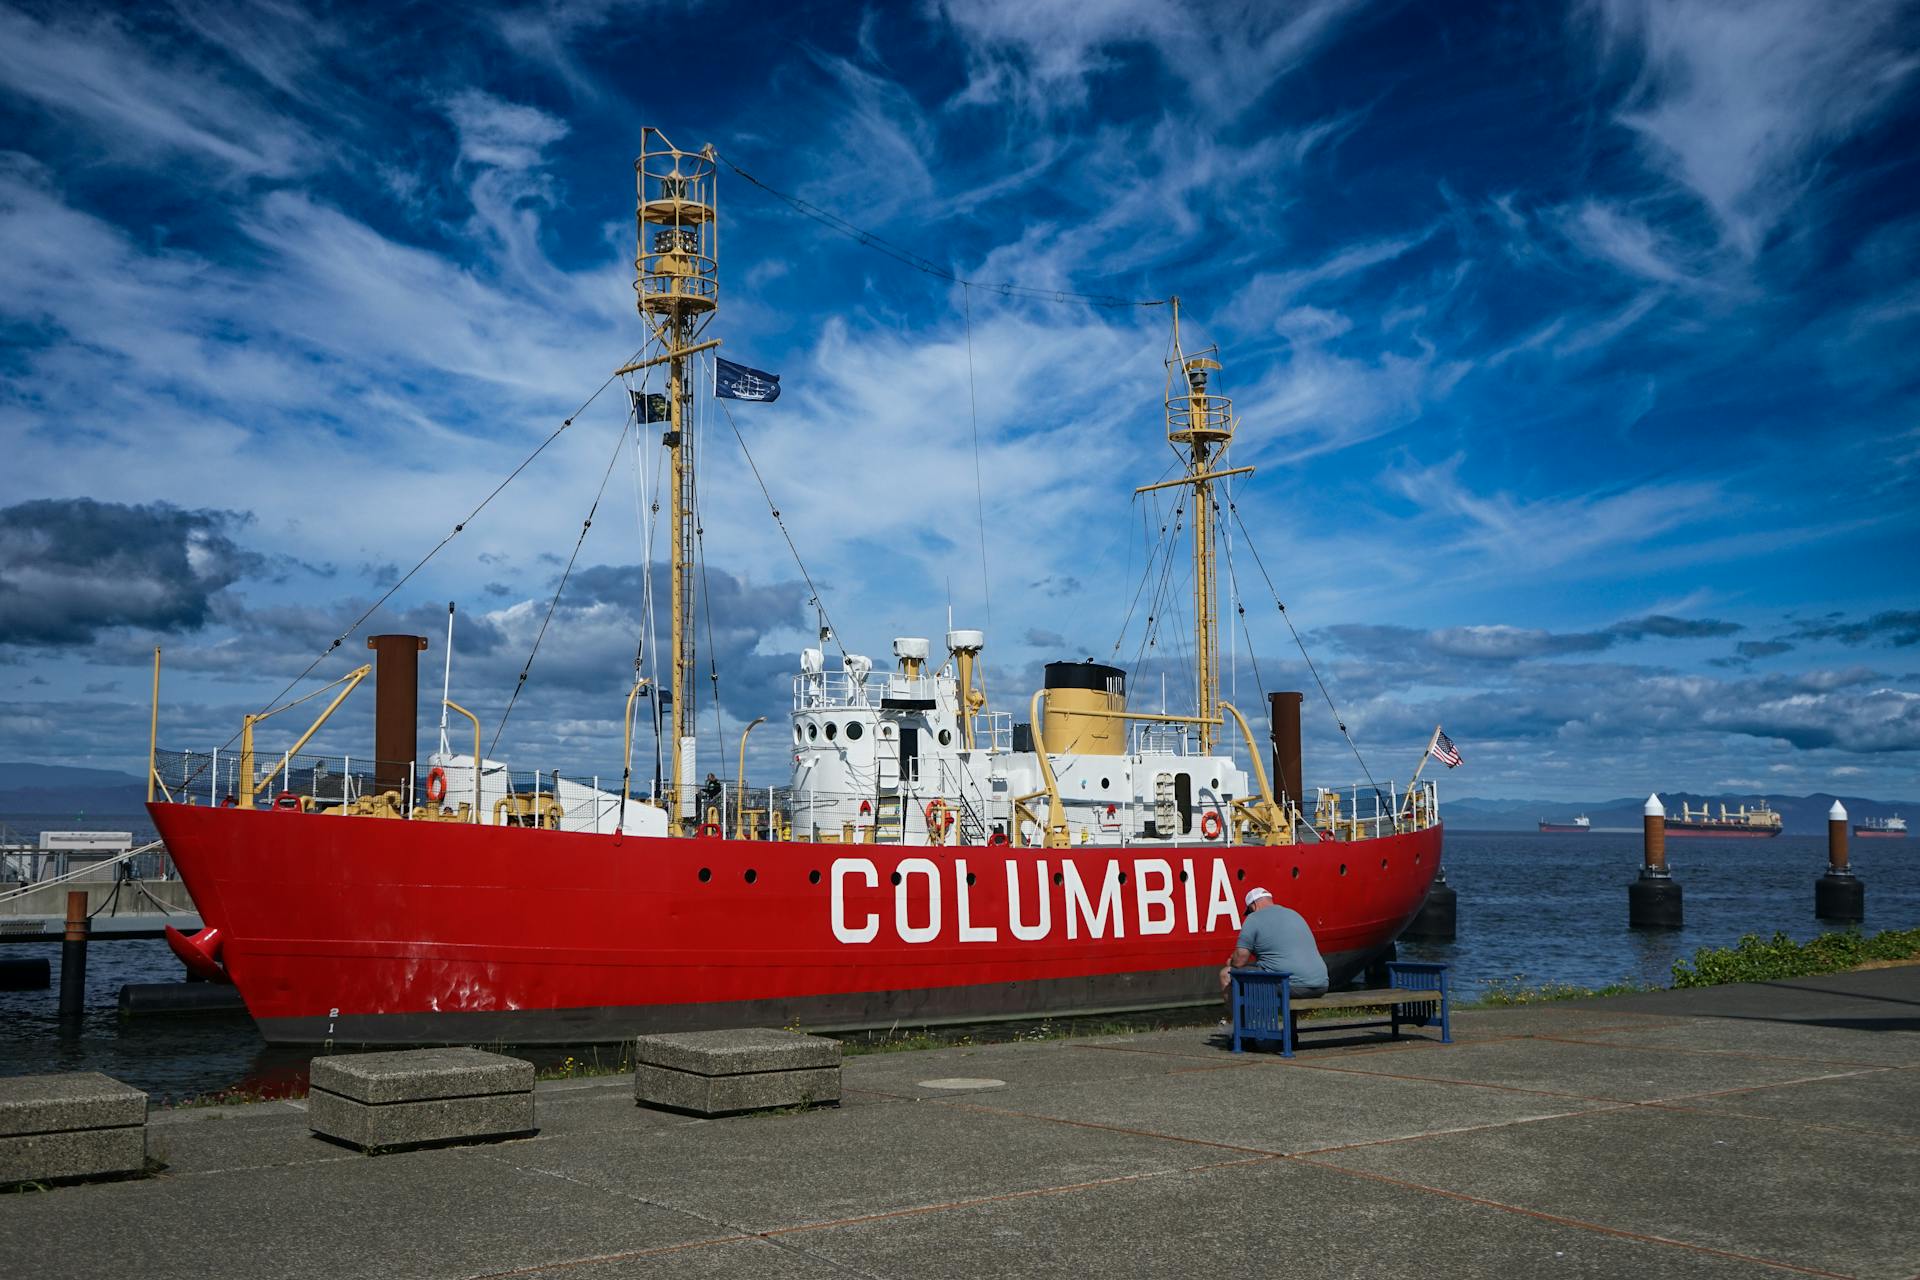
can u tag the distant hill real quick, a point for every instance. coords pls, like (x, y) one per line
(47, 789)
(1799, 815)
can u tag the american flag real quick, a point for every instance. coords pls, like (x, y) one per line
(1444, 751)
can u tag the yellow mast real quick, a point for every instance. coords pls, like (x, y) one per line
(678, 281)
(1201, 425)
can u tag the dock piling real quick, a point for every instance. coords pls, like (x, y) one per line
(73, 958)
(1839, 896)
(1653, 900)
(1435, 923)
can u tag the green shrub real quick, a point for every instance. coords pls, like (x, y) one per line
(1757, 959)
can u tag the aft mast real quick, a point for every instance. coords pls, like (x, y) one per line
(677, 277)
(1200, 425)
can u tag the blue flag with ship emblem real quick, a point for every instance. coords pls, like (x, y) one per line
(737, 382)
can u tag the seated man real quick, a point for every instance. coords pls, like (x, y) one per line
(1277, 939)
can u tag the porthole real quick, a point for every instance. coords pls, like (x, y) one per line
(706, 874)
(813, 877)
(1416, 859)
(1106, 784)
(1058, 878)
(1343, 868)
(798, 736)
(969, 877)
(896, 877)
(1296, 873)
(832, 731)
(1215, 784)
(752, 875)
(1183, 875)
(1123, 877)
(946, 737)
(813, 731)
(1240, 874)
(1383, 864)
(854, 731)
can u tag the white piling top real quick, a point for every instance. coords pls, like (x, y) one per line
(1838, 813)
(1654, 808)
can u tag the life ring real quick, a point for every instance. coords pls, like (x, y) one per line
(1210, 825)
(938, 815)
(708, 831)
(288, 801)
(436, 784)
(997, 839)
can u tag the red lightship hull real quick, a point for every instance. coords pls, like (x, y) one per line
(395, 932)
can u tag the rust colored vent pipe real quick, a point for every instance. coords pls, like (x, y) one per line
(396, 709)
(1285, 709)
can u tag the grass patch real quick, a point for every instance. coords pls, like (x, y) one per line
(1757, 959)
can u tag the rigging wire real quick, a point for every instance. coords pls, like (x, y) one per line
(1247, 537)
(979, 488)
(814, 592)
(706, 594)
(619, 447)
(868, 239)
(422, 563)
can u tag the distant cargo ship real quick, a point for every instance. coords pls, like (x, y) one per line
(1745, 823)
(1894, 828)
(1579, 824)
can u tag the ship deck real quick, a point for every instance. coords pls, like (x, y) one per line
(1743, 1130)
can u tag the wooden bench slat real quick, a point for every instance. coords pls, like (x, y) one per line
(1373, 996)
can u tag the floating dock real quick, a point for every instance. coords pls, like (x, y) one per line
(1744, 1130)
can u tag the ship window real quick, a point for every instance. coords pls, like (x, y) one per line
(813, 877)
(832, 731)
(853, 731)
(706, 874)
(1343, 868)
(1296, 873)
(798, 737)
(813, 730)
(1215, 784)
(1105, 784)
(946, 737)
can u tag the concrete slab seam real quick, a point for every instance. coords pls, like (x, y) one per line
(1465, 1084)
(1708, 1053)
(1488, 1127)
(1755, 1088)
(1880, 1135)
(1576, 1223)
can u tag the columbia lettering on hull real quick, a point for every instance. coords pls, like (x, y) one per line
(930, 860)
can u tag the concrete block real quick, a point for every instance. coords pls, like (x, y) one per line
(73, 1156)
(714, 1073)
(418, 1097)
(736, 1052)
(399, 1125)
(58, 1128)
(70, 1100)
(417, 1075)
(700, 1095)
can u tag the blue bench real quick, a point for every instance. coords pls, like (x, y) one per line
(1265, 1008)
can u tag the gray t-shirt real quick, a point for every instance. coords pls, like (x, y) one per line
(1281, 942)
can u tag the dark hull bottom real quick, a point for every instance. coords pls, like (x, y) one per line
(1712, 833)
(989, 1002)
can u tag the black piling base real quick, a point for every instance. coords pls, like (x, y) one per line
(1435, 923)
(138, 999)
(73, 978)
(25, 975)
(1840, 897)
(1653, 902)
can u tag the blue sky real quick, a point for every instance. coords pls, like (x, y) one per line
(1574, 346)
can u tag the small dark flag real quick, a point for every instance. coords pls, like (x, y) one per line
(650, 406)
(737, 382)
(1444, 751)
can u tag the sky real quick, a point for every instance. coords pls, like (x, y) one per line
(1572, 345)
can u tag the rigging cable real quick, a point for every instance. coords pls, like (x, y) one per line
(437, 548)
(814, 597)
(619, 446)
(1288, 619)
(869, 240)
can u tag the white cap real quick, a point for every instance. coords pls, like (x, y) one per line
(1838, 813)
(966, 639)
(1254, 895)
(1654, 808)
(910, 647)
